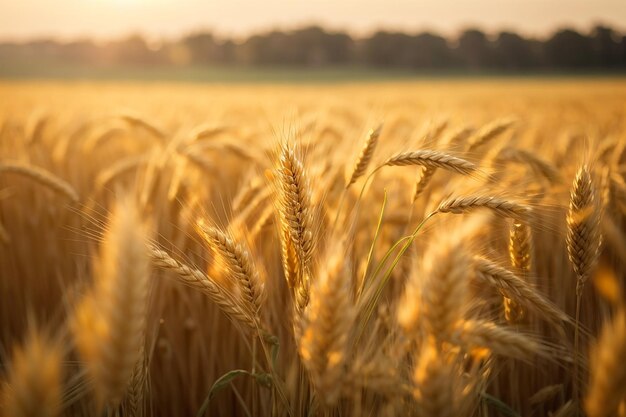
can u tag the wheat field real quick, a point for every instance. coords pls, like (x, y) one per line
(432, 248)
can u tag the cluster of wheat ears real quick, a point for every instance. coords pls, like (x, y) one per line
(426, 266)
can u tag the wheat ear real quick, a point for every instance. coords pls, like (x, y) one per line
(437, 391)
(238, 263)
(520, 248)
(537, 164)
(607, 386)
(296, 221)
(327, 324)
(517, 290)
(41, 176)
(432, 159)
(583, 226)
(33, 385)
(500, 340)
(583, 246)
(205, 284)
(134, 404)
(365, 157)
(488, 133)
(423, 180)
(442, 288)
(136, 121)
(110, 322)
(500, 206)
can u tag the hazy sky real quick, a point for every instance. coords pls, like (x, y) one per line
(21, 19)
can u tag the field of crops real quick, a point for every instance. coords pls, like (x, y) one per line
(432, 248)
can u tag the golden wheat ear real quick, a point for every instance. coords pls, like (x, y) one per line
(500, 206)
(607, 387)
(520, 253)
(205, 284)
(42, 177)
(297, 225)
(109, 323)
(583, 226)
(366, 155)
(238, 264)
(34, 381)
(326, 328)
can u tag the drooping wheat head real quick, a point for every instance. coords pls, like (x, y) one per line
(365, 156)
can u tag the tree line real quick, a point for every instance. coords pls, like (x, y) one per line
(602, 48)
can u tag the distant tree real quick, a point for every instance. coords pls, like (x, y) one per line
(430, 52)
(266, 49)
(315, 46)
(387, 49)
(132, 50)
(203, 48)
(606, 47)
(82, 51)
(569, 49)
(512, 52)
(474, 49)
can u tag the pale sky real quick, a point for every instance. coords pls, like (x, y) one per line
(23, 19)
